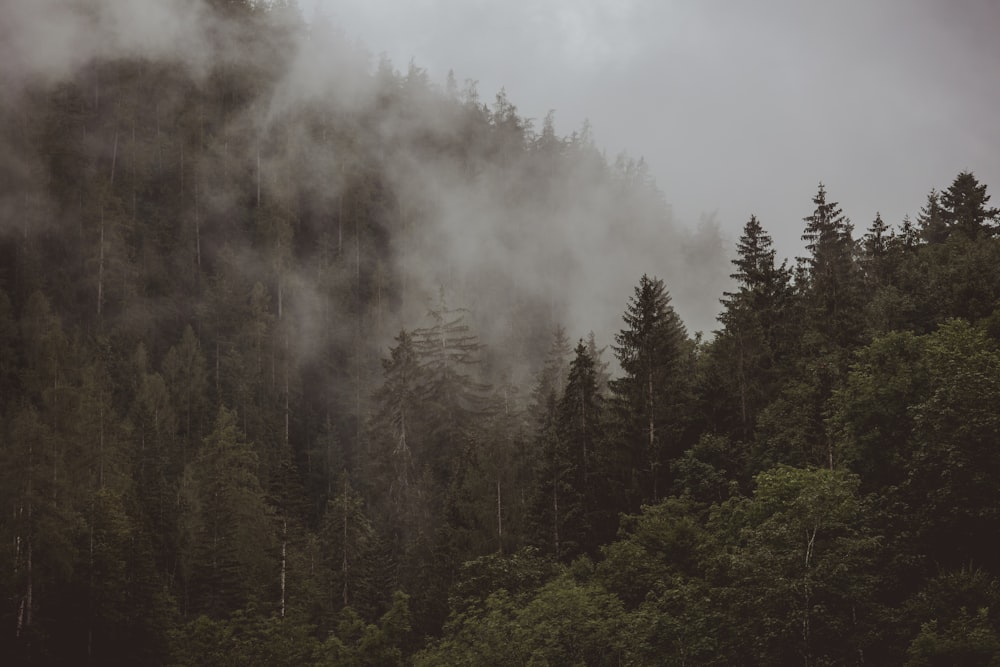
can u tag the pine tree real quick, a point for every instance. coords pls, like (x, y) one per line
(931, 220)
(875, 250)
(833, 290)
(227, 529)
(559, 505)
(397, 425)
(452, 398)
(580, 417)
(752, 319)
(187, 380)
(964, 207)
(551, 379)
(652, 352)
(347, 537)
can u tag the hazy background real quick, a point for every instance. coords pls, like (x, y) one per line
(738, 107)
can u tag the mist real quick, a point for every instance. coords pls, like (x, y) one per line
(499, 235)
(347, 338)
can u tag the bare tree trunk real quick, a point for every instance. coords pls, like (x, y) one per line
(652, 432)
(218, 391)
(90, 592)
(344, 565)
(743, 382)
(159, 142)
(100, 446)
(284, 556)
(55, 446)
(182, 170)
(499, 521)
(807, 597)
(197, 230)
(555, 513)
(357, 334)
(114, 157)
(100, 268)
(287, 409)
(25, 605)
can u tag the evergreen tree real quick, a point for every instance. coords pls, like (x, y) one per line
(227, 529)
(875, 250)
(964, 207)
(187, 380)
(551, 379)
(753, 318)
(833, 290)
(398, 426)
(931, 223)
(651, 397)
(579, 425)
(452, 397)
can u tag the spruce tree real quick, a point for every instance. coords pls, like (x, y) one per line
(931, 219)
(649, 399)
(833, 290)
(752, 318)
(875, 251)
(964, 207)
(579, 425)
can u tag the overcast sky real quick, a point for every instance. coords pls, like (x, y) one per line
(739, 107)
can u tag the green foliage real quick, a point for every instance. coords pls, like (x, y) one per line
(800, 568)
(228, 535)
(950, 480)
(198, 273)
(964, 207)
(656, 550)
(871, 416)
(651, 399)
(563, 623)
(970, 639)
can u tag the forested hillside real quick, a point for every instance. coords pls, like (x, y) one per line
(297, 367)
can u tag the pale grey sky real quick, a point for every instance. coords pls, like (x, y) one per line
(738, 107)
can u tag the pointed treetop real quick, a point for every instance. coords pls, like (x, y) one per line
(964, 205)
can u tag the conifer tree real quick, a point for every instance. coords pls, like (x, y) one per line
(931, 220)
(580, 423)
(875, 250)
(833, 291)
(964, 206)
(752, 319)
(652, 352)
(551, 379)
(227, 529)
(452, 397)
(564, 503)
(397, 426)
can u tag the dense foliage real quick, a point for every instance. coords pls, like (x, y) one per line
(217, 445)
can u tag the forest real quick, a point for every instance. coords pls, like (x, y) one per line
(287, 378)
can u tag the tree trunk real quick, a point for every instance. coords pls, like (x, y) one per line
(100, 268)
(25, 606)
(197, 231)
(114, 157)
(652, 431)
(555, 513)
(344, 564)
(284, 556)
(499, 521)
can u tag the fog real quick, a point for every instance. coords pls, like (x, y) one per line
(739, 108)
(735, 110)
